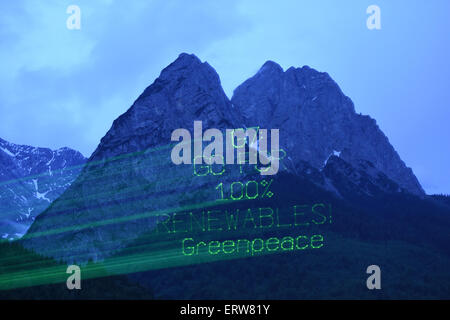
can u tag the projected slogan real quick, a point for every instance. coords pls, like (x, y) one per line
(243, 230)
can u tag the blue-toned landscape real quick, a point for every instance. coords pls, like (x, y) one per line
(89, 178)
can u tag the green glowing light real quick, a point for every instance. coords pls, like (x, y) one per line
(189, 247)
(238, 190)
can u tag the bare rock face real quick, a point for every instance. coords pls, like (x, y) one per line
(130, 183)
(186, 90)
(316, 120)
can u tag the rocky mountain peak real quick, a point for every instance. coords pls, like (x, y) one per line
(270, 68)
(317, 119)
(183, 62)
(186, 90)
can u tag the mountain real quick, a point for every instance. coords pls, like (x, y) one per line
(186, 90)
(317, 120)
(30, 179)
(130, 185)
(130, 174)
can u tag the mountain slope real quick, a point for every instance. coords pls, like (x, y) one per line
(317, 120)
(185, 91)
(30, 179)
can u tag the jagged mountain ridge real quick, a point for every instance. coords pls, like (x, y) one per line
(317, 120)
(270, 99)
(170, 102)
(30, 179)
(130, 173)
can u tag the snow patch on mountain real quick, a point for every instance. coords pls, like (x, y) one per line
(30, 179)
(9, 153)
(334, 153)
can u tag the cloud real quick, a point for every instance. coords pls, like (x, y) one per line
(65, 87)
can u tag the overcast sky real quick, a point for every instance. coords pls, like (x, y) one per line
(61, 87)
